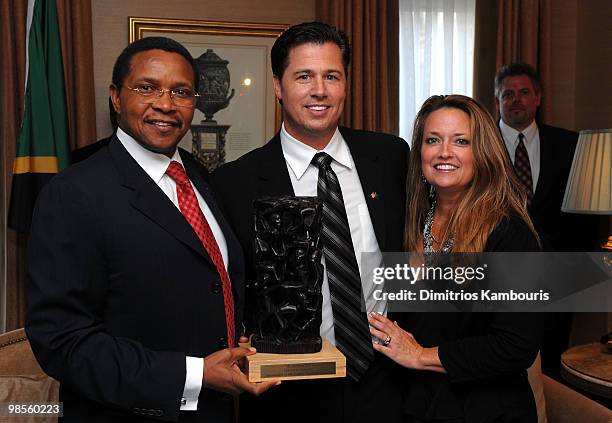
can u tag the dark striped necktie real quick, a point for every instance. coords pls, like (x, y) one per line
(350, 323)
(522, 167)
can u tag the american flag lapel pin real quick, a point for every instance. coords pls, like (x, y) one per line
(374, 195)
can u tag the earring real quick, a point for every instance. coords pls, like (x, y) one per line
(432, 189)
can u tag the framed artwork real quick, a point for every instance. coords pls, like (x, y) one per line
(237, 110)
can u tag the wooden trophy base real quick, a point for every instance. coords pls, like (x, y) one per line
(327, 363)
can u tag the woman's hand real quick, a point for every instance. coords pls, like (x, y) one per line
(401, 347)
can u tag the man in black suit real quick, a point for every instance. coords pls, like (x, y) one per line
(310, 63)
(550, 152)
(136, 279)
(544, 174)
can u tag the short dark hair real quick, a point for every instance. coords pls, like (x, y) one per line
(122, 65)
(517, 69)
(307, 33)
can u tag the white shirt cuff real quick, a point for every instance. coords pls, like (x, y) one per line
(193, 383)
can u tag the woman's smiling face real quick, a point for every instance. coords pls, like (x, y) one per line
(447, 159)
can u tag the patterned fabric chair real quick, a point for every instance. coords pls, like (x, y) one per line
(21, 378)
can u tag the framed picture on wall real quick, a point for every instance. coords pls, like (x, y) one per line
(237, 110)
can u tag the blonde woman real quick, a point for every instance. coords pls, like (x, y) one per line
(463, 197)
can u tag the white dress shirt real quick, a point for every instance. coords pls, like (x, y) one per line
(532, 144)
(155, 165)
(304, 177)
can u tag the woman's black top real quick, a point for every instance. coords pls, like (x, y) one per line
(485, 355)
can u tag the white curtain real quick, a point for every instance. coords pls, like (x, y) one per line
(436, 53)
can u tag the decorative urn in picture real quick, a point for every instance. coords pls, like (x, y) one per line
(209, 138)
(214, 85)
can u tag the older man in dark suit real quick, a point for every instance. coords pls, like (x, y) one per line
(542, 156)
(136, 279)
(360, 178)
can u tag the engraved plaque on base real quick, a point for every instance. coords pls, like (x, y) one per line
(327, 363)
(287, 293)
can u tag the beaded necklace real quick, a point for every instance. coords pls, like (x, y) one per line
(428, 237)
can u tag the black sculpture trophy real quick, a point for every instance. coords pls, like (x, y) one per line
(287, 290)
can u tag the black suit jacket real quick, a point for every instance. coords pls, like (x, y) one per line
(121, 290)
(560, 231)
(381, 162)
(82, 153)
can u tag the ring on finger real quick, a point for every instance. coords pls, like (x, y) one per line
(387, 341)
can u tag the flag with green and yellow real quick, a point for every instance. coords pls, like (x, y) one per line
(43, 147)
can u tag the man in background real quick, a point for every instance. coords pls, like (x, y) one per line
(368, 173)
(136, 279)
(542, 156)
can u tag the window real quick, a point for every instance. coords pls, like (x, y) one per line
(436, 53)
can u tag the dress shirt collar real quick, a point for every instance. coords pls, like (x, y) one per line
(299, 155)
(510, 134)
(154, 164)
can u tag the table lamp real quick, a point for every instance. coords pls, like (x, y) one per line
(589, 186)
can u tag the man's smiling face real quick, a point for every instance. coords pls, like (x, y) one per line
(155, 123)
(312, 90)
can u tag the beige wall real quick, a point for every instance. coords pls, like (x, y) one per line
(582, 60)
(110, 28)
(562, 92)
(594, 73)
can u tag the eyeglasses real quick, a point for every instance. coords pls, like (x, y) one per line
(181, 97)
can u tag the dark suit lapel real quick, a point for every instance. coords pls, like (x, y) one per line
(273, 175)
(370, 170)
(151, 201)
(203, 187)
(547, 163)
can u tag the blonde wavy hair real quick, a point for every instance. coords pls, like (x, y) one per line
(494, 193)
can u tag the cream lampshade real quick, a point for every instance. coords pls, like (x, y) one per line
(589, 186)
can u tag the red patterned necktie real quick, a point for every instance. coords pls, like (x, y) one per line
(523, 168)
(188, 204)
